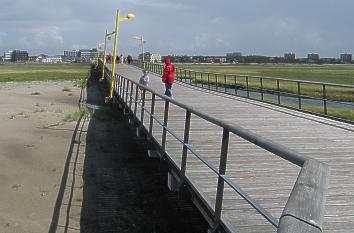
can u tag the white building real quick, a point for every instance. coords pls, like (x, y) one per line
(151, 57)
(52, 59)
(7, 56)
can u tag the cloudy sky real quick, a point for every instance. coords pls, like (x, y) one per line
(193, 27)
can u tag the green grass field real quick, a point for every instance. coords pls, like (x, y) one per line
(341, 74)
(38, 72)
(338, 74)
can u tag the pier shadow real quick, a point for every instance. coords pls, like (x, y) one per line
(125, 190)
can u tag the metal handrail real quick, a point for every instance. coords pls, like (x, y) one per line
(292, 212)
(242, 82)
(266, 77)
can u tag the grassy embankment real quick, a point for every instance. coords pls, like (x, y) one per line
(40, 72)
(340, 74)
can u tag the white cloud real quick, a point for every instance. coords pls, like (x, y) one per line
(48, 36)
(2, 36)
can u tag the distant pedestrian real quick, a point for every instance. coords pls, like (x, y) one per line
(129, 59)
(108, 58)
(168, 77)
(117, 59)
(144, 80)
(121, 59)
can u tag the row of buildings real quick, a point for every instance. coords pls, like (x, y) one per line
(237, 57)
(314, 57)
(80, 56)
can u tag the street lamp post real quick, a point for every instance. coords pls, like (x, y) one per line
(118, 20)
(141, 41)
(106, 37)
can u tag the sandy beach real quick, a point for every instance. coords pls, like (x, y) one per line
(34, 143)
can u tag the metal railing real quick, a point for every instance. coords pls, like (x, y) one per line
(304, 209)
(315, 97)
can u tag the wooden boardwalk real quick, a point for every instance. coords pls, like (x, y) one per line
(267, 178)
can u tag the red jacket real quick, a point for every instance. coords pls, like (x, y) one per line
(169, 72)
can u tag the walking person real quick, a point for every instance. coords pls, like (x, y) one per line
(144, 80)
(168, 77)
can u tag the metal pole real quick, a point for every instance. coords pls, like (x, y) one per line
(299, 94)
(104, 54)
(324, 99)
(278, 88)
(165, 120)
(248, 91)
(225, 83)
(152, 111)
(235, 79)
(216, 81)
(114, 53)
(187, 124)
(262, 95)
(222, 170)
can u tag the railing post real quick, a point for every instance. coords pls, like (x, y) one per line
(142, 109)
(152, 111)
(121, 87)
(187, 125)
(201, 77)
(324, 99)
(225, 83)
(136, 100)
(222, 170)
(131, 97)
(278, 89)
(216, 81)
(126, 91)
(208, 81)
(165, 121)
(195, 78)
(190, 77)
(235, 79)
(299, 94)
(262, 95)
(247, 88)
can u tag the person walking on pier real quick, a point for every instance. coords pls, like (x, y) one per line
(144, 80)
(168, 77)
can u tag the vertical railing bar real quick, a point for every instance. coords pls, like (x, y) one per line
(131, 97)
(165, 121)
(201, 76)
(235, 79)
(278, 89)
(299, 94)
(127, 91)
(216, 81)
(324, 99)
(152, 112)
(247, 87)
(187, 124)
(136, 100)
(262, 94)
(195, 78)
(225, 83)
(142, 109)
(208, 80)
(222, 171)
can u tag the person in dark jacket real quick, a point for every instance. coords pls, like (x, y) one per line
(168, 77)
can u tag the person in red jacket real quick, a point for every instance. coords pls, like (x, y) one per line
(168, 77)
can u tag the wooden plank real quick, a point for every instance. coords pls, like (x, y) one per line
(267, 178)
